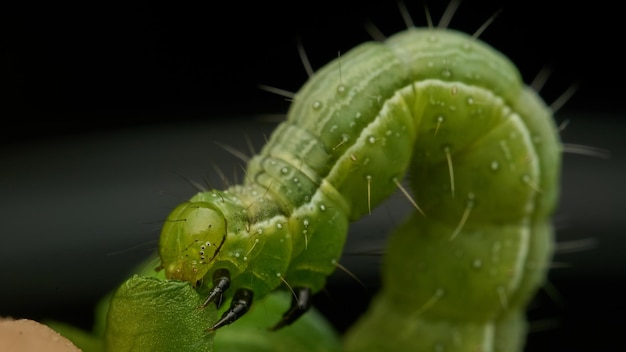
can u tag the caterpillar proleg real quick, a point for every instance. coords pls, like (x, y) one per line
(482, 155)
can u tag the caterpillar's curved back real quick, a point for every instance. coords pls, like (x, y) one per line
(483, 157)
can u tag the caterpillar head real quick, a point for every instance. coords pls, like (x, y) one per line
(190, 240)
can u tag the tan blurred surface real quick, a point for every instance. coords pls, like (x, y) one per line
(28, 336)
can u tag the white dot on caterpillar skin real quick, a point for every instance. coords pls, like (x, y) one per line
(446, 73)
(470, 101)
(358, 115)
(505, 149)
(435, 102)
(341, 89)
(284, 170)
(259, 231)
(494, 166)
(306, 223)
(372, 139)
(322, 207)
(333, 128)
(477, 264)
(470, 200)
(430, 64)
(296, 180)
(236, 255)
(279, 226)
(317, 105)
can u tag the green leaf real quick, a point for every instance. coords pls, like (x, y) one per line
(148, 314)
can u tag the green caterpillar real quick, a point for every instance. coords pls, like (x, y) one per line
(483, 158)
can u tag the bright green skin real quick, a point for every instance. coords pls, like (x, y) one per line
(469, 292)
(363, 125)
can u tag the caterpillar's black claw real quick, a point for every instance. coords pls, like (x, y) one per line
(300, 304)
(221, 282)
(238, 307)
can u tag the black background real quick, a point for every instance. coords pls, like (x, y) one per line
(85, 66)
(107, 103)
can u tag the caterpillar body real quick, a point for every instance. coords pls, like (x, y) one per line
(483, 158)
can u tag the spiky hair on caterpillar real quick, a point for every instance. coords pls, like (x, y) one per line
(483, 155)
